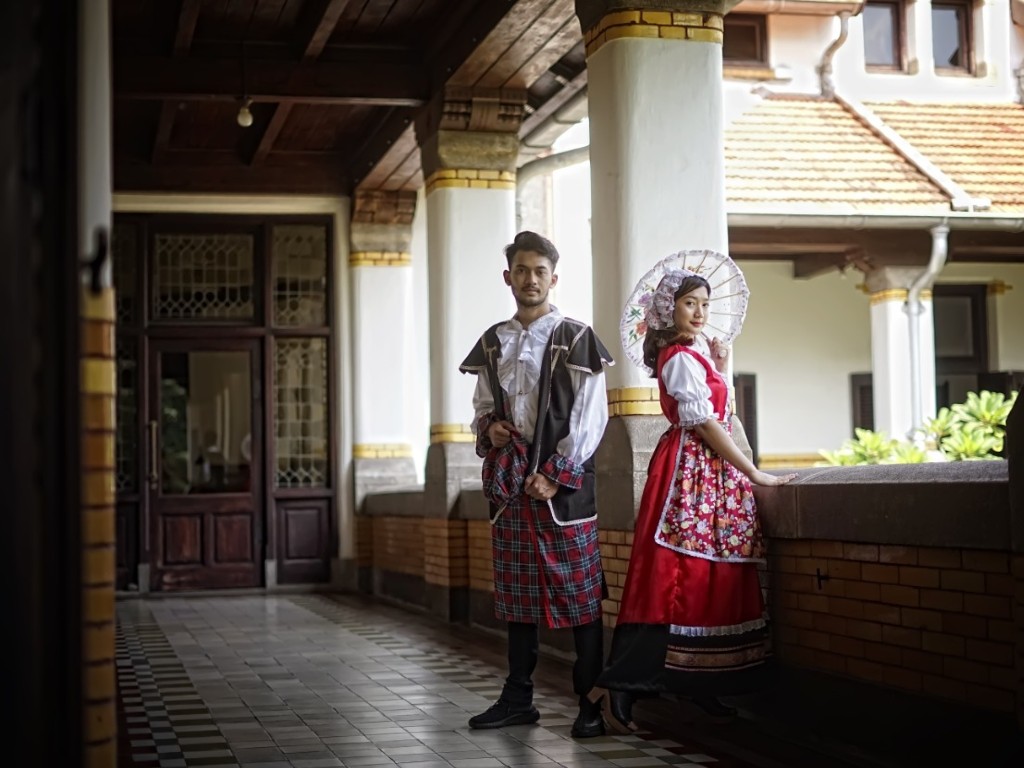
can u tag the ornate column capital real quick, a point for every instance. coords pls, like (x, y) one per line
(467, 131)
(381, 230)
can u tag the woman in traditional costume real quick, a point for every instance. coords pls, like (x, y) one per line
(692, 618)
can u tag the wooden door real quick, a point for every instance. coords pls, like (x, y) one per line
(204, 445)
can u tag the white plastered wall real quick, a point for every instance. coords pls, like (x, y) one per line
(802, 339)
(338, 208)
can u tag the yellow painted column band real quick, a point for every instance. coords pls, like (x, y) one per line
(382, 451)
(379, 259)
(634, 401)
(469, 178)
(98, 393)
(451, 433)
(896, 294)
(699, 26)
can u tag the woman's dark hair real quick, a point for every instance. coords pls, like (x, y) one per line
(531, 241)
(655, 340)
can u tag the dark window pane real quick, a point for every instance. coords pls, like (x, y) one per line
(881, 34)
(948, 33)
(742, 39)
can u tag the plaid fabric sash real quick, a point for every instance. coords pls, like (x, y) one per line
(505, 470)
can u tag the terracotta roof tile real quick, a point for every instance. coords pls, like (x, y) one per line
(980, 146)
(807, 154)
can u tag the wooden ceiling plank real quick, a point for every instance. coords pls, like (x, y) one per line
(560, 43)
(187, 19)
(324, 82)
(315, 26)
(498, 40)
(394, 128)
(270, 134)
(532, 42)
(164, 127)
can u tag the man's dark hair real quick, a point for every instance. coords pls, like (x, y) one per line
(531, 241)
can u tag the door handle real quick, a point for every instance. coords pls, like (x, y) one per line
(152, 476)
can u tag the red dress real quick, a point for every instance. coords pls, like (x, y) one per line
(692, 617)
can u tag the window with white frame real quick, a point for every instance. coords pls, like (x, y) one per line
(884, 34)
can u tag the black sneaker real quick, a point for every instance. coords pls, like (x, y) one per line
(503, 713)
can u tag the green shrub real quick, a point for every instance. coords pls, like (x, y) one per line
(973, 430)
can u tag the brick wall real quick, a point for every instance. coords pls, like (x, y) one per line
(364, 541)
(481, 568)
(937, 622)
(398, 545)
(615, 549)
(446, 561)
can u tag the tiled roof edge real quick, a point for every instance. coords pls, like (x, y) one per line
(960, 199)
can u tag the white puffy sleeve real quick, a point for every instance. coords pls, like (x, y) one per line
(686, 380)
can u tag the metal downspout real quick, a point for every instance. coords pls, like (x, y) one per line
(543, 166)
(914, 308)
(827, 84)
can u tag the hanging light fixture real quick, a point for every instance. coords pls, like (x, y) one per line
(244, 116)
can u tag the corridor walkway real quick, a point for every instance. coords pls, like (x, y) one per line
(312, 680)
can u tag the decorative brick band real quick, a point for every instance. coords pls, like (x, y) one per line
(634, 401)
(98, 390)
(451, 433)
(382, 451)
(896, 294)
(379, 259)
(704, 27)
(467, 178)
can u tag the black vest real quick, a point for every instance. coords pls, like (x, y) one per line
(573, 345)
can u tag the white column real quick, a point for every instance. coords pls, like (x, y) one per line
(890, 352)
(469, 146)
(467, 228)
(656, 152)
(383, 338)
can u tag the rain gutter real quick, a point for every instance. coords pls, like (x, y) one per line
(914, 309)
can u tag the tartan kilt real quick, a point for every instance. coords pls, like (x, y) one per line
(545, 572)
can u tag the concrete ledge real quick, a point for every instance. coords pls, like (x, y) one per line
(398, 503)
(933, 505)
(472, 505)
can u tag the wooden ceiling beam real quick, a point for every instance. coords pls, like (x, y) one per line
(314, 178)
(270, 134)
(381, 137)
(315, 25)
(323, 82)
(187, 18)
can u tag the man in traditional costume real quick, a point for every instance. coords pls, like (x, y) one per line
(541, 409)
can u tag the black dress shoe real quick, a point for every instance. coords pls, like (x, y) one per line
(620, 711)
(502, 713)
(589, 722)
(714, 708)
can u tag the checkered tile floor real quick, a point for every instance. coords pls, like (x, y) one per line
(313, 681)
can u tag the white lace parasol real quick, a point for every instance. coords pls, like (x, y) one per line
(727, 309)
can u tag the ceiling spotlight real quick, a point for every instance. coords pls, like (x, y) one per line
(244, 116)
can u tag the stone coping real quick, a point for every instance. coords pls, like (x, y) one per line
(959, 504)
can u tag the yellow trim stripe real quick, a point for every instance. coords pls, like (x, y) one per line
(451, 433)
(634, 401)
(704, 27)
(896, 294)
(379, 259)
(469, 178)
(382, 451)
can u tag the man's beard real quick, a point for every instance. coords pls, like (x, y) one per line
(524, 299)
